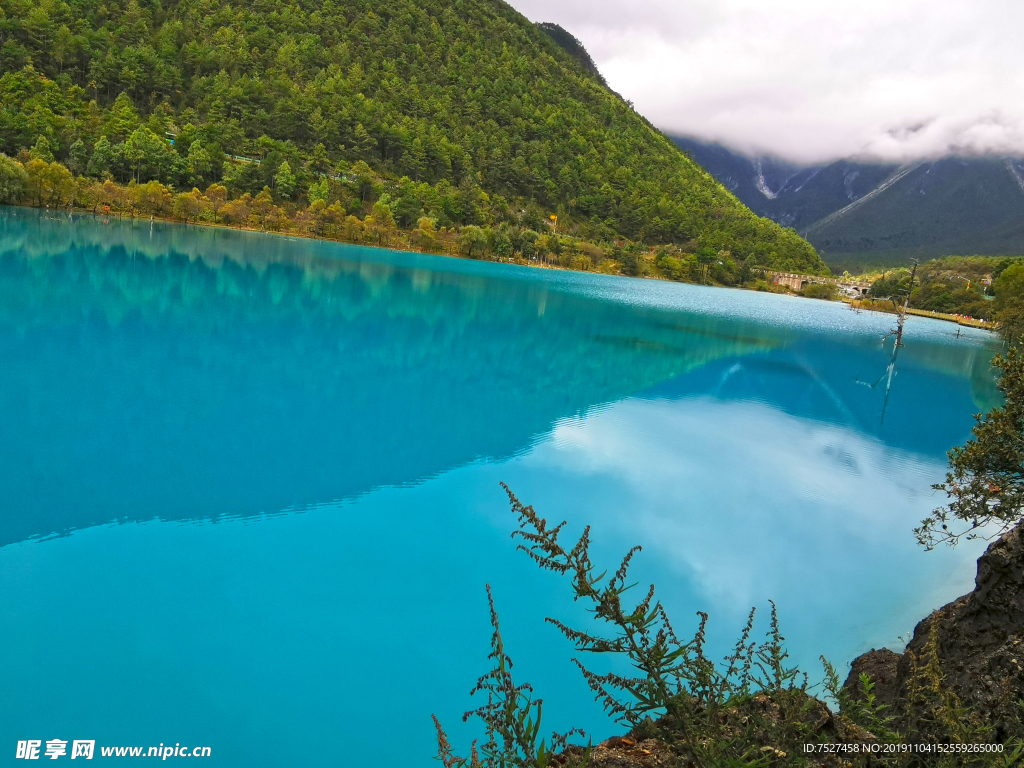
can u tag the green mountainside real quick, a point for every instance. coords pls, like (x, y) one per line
(568, 42)
(471, 114)
(949, 206)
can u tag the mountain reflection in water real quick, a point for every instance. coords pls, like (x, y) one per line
(216, 381)
(153, 373)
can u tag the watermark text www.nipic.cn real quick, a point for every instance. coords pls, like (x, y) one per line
(53, 749)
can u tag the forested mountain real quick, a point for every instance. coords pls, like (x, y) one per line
(568, 42)
(472, 114)
(861, 215)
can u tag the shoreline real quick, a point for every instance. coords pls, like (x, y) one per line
(967, 322)
(403, 244)
(452, 251)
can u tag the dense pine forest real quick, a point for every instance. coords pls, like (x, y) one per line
(457, 110)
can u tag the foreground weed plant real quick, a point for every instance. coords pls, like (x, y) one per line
(511, 717)
(676, 693)
(752, 709)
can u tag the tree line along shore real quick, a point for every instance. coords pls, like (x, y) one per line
(362, 207)
(980, 291)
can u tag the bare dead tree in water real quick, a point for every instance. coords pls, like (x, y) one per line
(901, 319)
(901, 312)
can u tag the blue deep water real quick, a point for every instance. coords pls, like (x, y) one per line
(249, 485)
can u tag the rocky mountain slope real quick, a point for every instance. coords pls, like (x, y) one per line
(923, 210)
(862, 215)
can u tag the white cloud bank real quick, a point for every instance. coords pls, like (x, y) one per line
(892, 80)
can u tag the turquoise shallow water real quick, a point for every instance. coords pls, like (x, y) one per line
(249, 485)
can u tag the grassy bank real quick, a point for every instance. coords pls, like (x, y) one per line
(877, 305)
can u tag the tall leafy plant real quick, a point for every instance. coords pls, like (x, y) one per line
(985, 483)
(675, 690)
(511, 718)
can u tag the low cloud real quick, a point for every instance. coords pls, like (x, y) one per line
(890, 80)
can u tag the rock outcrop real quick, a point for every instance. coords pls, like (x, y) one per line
(882, 666)
(979, 643)
(975, 645)
(765, 723)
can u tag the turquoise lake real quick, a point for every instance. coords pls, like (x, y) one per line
(249, 485)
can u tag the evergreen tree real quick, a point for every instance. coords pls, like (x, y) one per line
(362, 143)
(102, 161)
(318, 190)
(41, 151)
(122, 118)
(200, 164)
(285, 180)
(78, 157)
(148, 154)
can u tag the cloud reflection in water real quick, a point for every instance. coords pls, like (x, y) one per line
(830, 541)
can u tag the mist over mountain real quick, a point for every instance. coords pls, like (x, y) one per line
(863, 215)
(793, 195)
(814, 82)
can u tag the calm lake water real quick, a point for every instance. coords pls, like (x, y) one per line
(249, 485)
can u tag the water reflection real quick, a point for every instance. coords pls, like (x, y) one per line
(145, 379)
(154, 372)
(179, 373)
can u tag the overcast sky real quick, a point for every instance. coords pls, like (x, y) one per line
(814, 80)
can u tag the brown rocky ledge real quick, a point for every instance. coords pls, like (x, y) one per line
(980, 643)
(752, 721)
